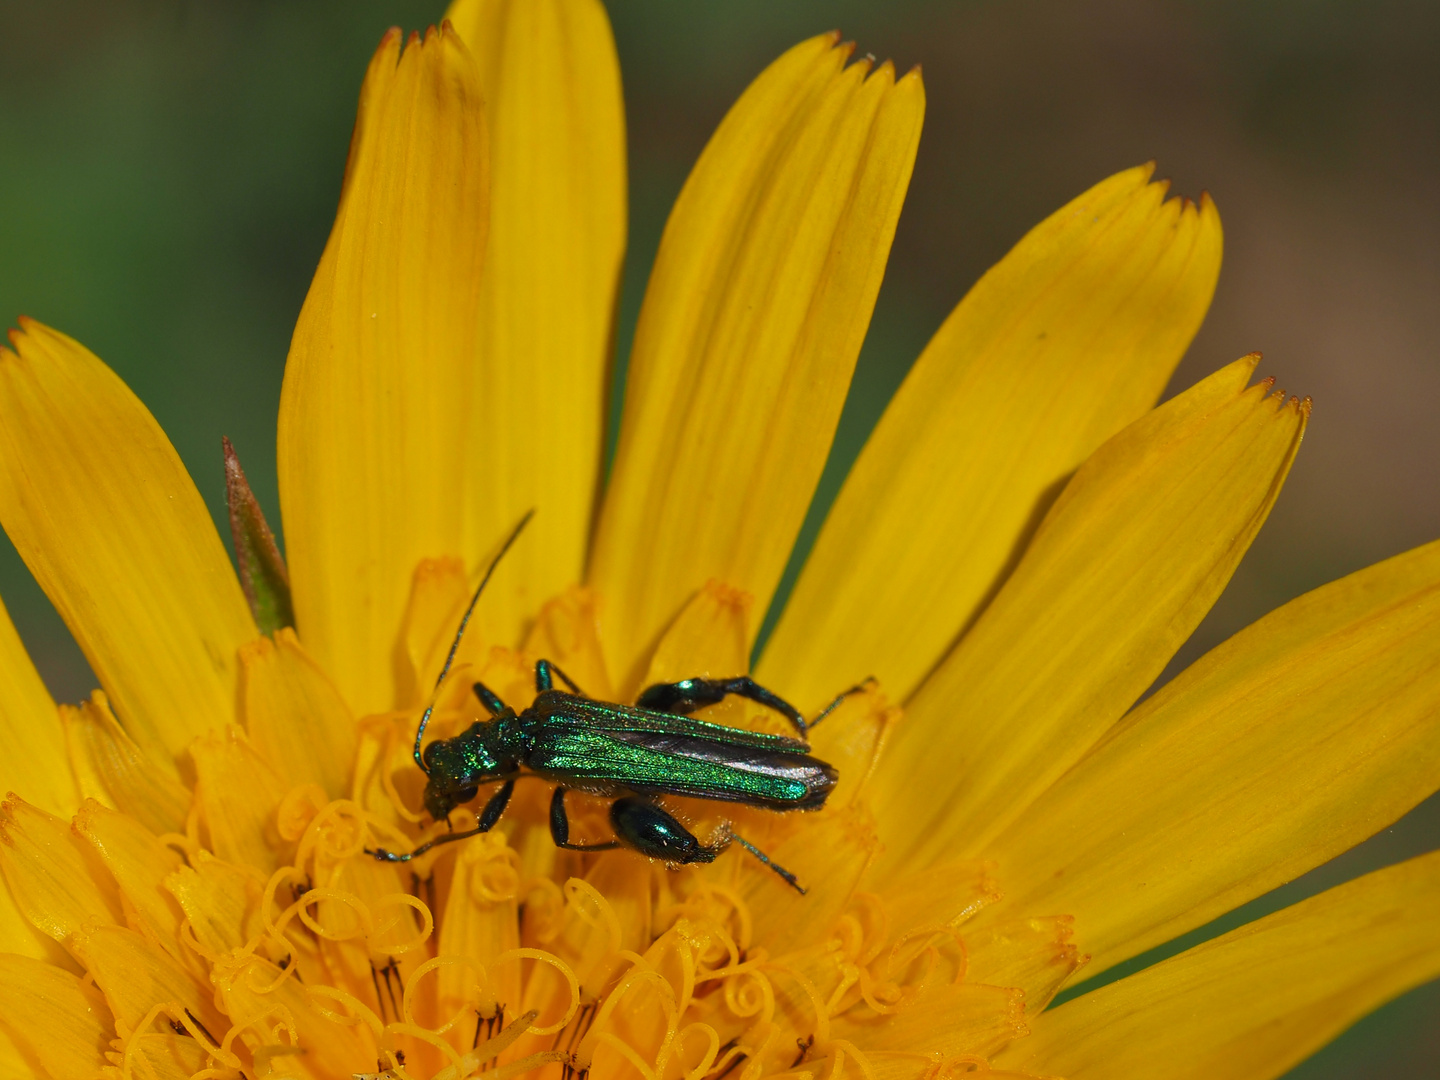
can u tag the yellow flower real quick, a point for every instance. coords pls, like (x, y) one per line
(1020, 549)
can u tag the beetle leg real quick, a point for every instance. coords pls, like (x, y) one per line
(488, 817)
(653, 831)
(858, 688)
(491, 700)
(496, 806)
(687, 695)
(560, 827)
(753, 850)
(544, 669)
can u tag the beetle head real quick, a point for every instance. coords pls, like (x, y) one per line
(456, 768)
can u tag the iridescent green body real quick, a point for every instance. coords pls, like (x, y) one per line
(630, 754)
(610, 749)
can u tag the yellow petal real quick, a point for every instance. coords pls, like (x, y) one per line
(944, 895)
(140, 864)
(332, 1049)
(852, 739)
(1294, 740)
(61, 1022)
(32, 744)
(218, 899)
(294, 715)
(567, 630)
(439, 593)
(481, 922)
(957, 1020)
(551, 82)
(1125, 565)
(135, 975)
(828, 856)
(759, 299)
(375, 407)
(1066, 340)
(114, 771)
(164, 1055)
(19, 935)
(610, 913)
(1035, 955)
(108, 521)
(1250, 1004)
(238, 793)
(709, 639)
(54, 876)
(903, 1065)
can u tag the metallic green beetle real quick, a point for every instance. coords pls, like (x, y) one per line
(630, 753)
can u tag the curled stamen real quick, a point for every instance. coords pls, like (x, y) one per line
(493, 1048)
(287, 1022)
(491, 856)
(874, 920)
(676, 942)
(847, 1047)
(899, 959)
(605, 914)
(272, 928)
(191, 942)
(337, 833)
(263, 1055)
(872, 991)
(386, 773)
(640, 971)
(298, 809)
(402, 901)
(822, 1015)
(628, 1052)
(435, 964)
(545, 913)
(415, 1031)
(707, 1060)
(253, 969)
(178, 1014)
(360, 1012)
(524, 1065)
(365, 917)
(737, 908)
(745, 1005)
(565, 972)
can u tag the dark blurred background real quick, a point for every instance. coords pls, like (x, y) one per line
(169, 170)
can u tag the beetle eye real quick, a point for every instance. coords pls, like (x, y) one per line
(437, 804)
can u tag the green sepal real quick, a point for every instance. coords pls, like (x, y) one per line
(262, 569)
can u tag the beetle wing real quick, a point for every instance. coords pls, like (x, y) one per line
(623, 720)
(662, 762)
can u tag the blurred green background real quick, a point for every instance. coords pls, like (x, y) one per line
(170, 170)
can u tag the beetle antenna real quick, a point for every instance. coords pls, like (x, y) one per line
(460, 633)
